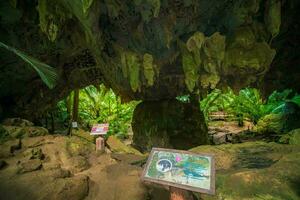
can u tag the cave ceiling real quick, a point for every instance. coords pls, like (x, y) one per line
(147, 50)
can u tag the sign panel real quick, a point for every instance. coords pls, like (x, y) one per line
(99, 129)
(182, 169)
(74, 125)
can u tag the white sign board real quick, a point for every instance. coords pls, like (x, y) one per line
(74, 124)
(99, 129)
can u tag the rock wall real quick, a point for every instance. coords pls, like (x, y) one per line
(148, 50)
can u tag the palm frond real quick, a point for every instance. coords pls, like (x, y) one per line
(47, 73)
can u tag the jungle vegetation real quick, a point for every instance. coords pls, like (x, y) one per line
(98, 104)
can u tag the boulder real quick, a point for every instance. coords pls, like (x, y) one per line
(115, 145)
(17, 122)
(169, 124)
(29, 166)
(34, 153)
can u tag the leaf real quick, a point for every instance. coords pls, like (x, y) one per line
(47, 73)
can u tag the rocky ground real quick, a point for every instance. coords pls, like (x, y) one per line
(61, 167)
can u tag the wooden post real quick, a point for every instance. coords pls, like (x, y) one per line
(100, 146)
(179, 194)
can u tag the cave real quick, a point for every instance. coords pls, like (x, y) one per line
(154, 52)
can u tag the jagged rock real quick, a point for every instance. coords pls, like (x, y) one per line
(17, 122)
(29, 166)
(115, 145)
(78, 164)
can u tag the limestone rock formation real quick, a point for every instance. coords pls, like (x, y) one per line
(143, 50)
(168, 123)
(148, 50)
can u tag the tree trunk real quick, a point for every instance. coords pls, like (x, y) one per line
(75, 105)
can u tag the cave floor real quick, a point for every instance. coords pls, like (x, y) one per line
(59, 167)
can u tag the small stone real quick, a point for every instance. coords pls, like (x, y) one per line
(219, 138)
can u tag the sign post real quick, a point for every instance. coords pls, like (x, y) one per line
(182, 171)
(100, 129)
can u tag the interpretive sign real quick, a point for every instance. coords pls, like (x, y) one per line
(99, 129)
(181, 169)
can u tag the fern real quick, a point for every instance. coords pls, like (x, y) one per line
(47, 73)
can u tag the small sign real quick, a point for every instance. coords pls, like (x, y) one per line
(99, 129)
(181, 169)
(74, 125)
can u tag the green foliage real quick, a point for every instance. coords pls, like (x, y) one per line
(101, 105)
(47, 73)
(217, 101)
(248, 103)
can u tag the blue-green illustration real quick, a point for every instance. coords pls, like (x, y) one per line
(180, 168)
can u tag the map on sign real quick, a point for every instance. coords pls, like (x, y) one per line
(182, 169)
(99, 129)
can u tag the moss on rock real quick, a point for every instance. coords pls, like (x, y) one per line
(255, 170)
